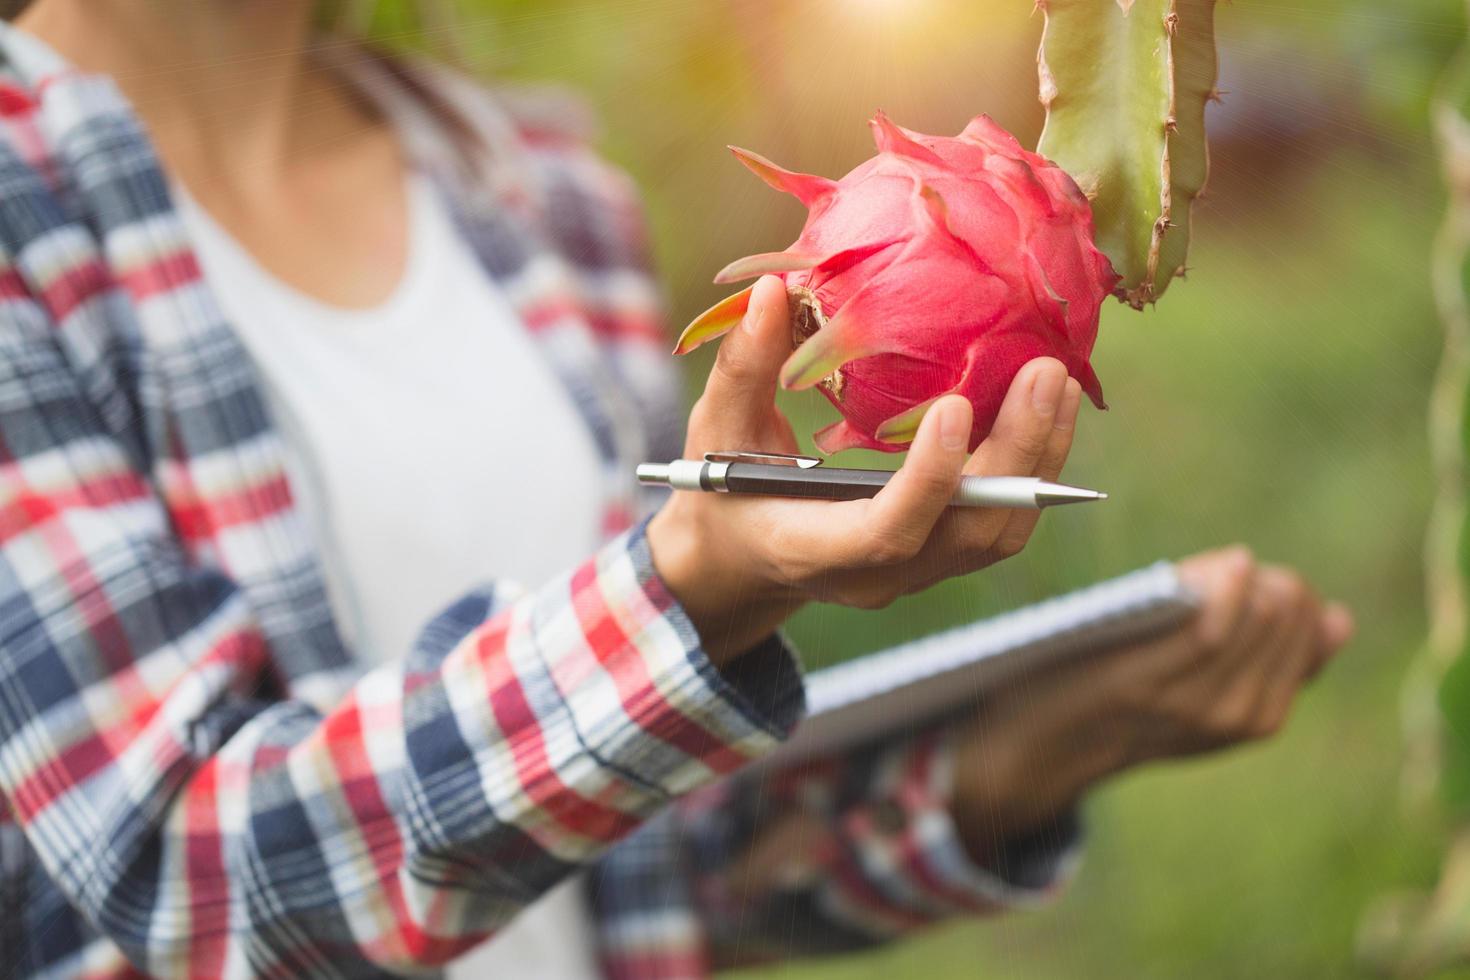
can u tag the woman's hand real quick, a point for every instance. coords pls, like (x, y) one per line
(740, 565)
(1229, 676)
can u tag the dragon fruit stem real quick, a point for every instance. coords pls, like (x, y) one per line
(1135, 59)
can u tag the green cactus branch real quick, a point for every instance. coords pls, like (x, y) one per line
(1125, 84)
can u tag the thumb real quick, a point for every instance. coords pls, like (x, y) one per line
(741, 391)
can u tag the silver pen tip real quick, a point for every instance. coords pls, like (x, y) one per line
(1054, 494)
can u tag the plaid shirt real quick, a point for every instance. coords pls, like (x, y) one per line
(196, 777)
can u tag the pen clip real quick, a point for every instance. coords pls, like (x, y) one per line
(778, 459)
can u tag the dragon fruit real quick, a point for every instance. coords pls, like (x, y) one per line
(940, 265)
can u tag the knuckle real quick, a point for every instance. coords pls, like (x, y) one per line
(699, 413)
(1267, 723)
(1011, 544)
(933, 482)
(1269, 609)
(1208, 643)
(731, 362)
(1298, 592)
(1237, 556)
(1289, 587)
(871, 599)
(1235, 720)
(890, 547)
(1296, 589)
(780, 542)
(1031, 443)
(1239, 572)
(973, 557)
(1241, 729)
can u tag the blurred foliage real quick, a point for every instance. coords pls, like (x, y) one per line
(1448, 552)
(1410, 933)
(1276, 397)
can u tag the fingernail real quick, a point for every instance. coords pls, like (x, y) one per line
(1046, 393)
(749, 324)
(954, 425)
(758, 305)
(1239, 557)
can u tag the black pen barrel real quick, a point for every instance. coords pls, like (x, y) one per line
(820, 483)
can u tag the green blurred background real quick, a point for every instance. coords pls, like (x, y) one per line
(1276, 398)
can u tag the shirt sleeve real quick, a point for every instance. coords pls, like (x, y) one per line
(209, 828)
(830, 857)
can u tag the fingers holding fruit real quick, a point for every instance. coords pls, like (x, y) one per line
(775, 553)
(1032, 437)
(940, 266)
(738, 408)
(1057, 427)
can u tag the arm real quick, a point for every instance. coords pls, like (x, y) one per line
(207, 827)
(208, 830)
(979, 816)
(830, 857)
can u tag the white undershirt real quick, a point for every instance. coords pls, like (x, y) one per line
(420, 434)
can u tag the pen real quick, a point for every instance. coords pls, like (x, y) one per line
(779, 475)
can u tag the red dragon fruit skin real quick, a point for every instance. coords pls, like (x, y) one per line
(941, 265)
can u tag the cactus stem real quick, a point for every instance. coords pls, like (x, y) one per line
(1096, 68)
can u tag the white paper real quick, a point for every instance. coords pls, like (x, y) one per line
(899, 689)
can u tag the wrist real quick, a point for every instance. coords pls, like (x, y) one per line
(1022, 767)
(732, 607)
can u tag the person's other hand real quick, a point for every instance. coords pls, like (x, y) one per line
(1228, 676)
(740, 565)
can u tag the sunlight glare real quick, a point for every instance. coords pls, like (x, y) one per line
(885, 13)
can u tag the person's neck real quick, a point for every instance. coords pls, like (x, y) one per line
(224, 86)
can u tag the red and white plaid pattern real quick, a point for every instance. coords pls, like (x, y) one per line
(196, 778)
